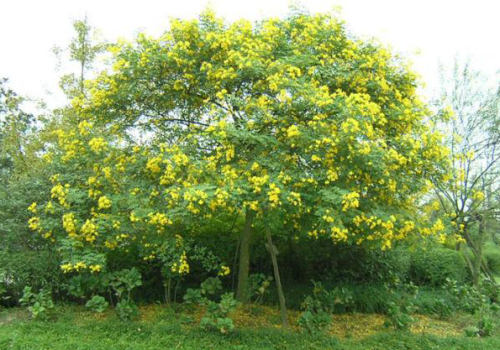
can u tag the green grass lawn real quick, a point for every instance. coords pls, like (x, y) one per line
(159, 327)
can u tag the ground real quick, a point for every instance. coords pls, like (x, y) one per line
(257, 327)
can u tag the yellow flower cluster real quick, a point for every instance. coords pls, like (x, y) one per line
(159, 219)
(224, 271)
(84, 128)
(32, 208)
(180, 158)
(97, 144)
(253, 205)
(80, 266)
(292, 131)
(34, 223)
(350, 200)
(294, 198)
(59, 192)
(134, 218)
(220, 201)
(478, 195)
(257, 182)
(104, 203)
(193, 198)
(274, 195)
(339, 235)
(153, 164)
(89, 231)
(182, 266)
(69, 224)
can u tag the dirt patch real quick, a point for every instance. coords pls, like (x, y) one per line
(13, 315)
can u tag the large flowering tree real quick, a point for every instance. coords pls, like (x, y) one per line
(292, 125)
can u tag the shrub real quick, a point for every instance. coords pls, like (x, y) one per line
(194, 297)
(217, 315)
(314, 322)
(318, 307)
(97, 304)
(491, 255)
(258, 285)
(466, 297)
(38, 304)
(491, 290)
(123, 282)
(35, 269)
(434, 265)
(399, 316)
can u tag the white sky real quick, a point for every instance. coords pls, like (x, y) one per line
(437, 29)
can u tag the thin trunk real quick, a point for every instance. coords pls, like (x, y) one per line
(244, 265)
(486, 270)
(274, 252)
(479, 253)
(467, 260)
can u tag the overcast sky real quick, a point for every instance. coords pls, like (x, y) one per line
(426, 31)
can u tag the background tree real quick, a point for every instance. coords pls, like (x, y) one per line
(473, 137)
(83, 50)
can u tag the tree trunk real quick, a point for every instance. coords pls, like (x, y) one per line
(274, 252)
(244, 264)
(479, 253)
(467, 260)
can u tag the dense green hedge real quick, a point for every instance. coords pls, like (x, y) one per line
(491, 256)
(433, 266)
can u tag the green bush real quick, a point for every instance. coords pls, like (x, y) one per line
(491, 255)
(314, 322)
(29, 268)
(97, 304)
(434, 265)
(371, 298)
(320, 260)
(217, 315)
(436, 302)
(38, 304)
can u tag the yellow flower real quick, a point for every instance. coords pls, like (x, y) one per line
(34, 223)
(224, 271)
(67, 268)
(182, 266)
(134, 218)
(104, 203)
(292, 131)
(69, 224)
(80, 265)
(350, 200)
(97, 144)
(273, 194)
(153, 165)
(32, 208)
(95, 268)
(89, 230)
(478, 195)
(84, 127)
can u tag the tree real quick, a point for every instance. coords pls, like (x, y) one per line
(474, 140)
(292, 127)
(83, 49)
(18, 146)
(15, 127)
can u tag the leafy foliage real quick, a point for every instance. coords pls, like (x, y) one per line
(97, 304)
(38, 304)
(435, 265)
(217, 314)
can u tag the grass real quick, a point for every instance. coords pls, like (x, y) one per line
(159, 327)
